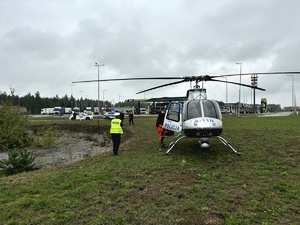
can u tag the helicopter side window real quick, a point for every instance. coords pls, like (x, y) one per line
(174, 112)
(193, 110)
(209, 109)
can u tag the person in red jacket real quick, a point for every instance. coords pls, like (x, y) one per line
(160, 129)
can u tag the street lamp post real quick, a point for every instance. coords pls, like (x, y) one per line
(226, 93)
(86, 101)
(71, 93)
(96, 64)
(81, 98)
(239, 114)
(293, 100)
(103, 96)
(120, 100)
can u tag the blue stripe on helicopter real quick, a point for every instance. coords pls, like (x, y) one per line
(171, 127)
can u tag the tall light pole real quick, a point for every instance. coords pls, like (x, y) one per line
(239, 114)
(86, 101)
(293, 95)
(226, 93)
(120, 100)
(96, 64)
(295, 102)
(71, 93)
(81, 94)
(103, 96)
(81, 98)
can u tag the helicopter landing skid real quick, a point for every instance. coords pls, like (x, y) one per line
(179, 137)
(174, 142)
(225, 142)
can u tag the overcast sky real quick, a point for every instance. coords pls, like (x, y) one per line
(46, 45)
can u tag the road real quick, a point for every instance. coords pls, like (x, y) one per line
(276, 114)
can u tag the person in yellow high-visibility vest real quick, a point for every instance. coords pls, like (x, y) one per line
(116, 131)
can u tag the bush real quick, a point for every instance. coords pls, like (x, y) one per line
(18, 161)
(46, 137)
(13, 127)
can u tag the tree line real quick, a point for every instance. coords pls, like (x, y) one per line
(34, 102)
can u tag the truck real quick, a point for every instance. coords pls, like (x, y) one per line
(96, 110)
(68, 110)
(88, 110)
(59, 111)
(47, 111)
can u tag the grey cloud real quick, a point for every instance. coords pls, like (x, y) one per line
(47, 45)
(26, 43)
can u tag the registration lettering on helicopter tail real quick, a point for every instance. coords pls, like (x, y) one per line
(172, 127)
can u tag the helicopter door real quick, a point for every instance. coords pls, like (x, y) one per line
(173, 117)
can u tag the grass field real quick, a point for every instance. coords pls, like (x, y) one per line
(190, 186)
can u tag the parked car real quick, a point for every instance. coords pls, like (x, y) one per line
(110, 115)
(81, 116)
(143, 111)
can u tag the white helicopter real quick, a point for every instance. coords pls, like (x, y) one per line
(198, 117)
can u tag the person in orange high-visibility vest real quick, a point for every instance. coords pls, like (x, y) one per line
(116, 131)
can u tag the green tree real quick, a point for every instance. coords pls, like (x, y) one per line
(13, 126)
(18, 161)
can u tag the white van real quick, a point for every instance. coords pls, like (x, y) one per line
(143, 111)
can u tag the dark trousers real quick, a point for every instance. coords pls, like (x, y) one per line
(131, 121)
(116, 139)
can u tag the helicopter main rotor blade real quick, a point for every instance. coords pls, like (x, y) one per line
(187, 78)
(190, 79)
(267, 73)
(134, 78)
(245, 85)
(164, 85)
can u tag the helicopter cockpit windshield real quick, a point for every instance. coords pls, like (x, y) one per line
(201, 108)
(209, 109)
(192, 110)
